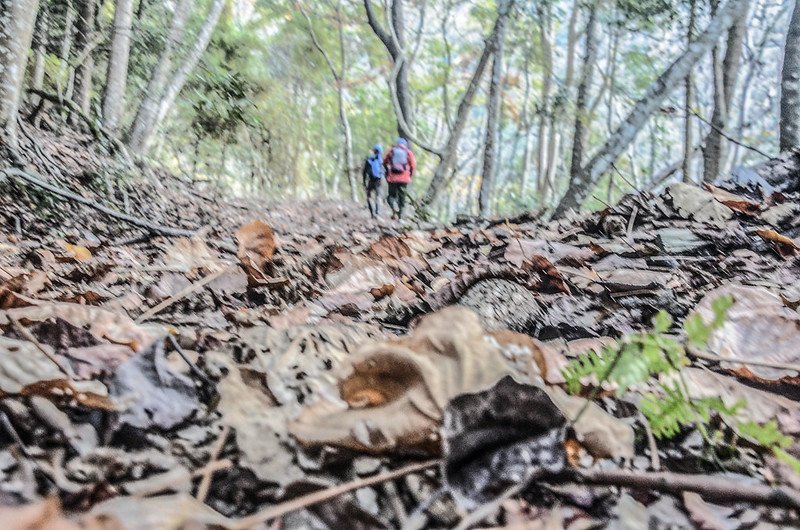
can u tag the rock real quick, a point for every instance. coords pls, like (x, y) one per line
(501, 304)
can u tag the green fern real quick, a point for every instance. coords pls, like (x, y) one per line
(643, 357)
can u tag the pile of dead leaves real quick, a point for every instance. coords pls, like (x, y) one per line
(242, 375)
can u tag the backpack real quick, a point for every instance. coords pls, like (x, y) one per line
(376, 167)
(399, 160)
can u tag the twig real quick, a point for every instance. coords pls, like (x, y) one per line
(320, 496)
(717, 489)
(36, 180)
(730, 138)
(27, 335)
(12, 432)
(194, 369)
(718, 358)
(655, 460)
(196, 286)
(205, 483)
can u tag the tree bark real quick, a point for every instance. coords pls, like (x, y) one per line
(450, 152)
(191, 61)
(714, 147)
(644, 108)
(117, 74)
(790, 85)
(147, 115)
(582, 100)
(39, 45)
(546, 104)
(87, 10)
(393, 40)
(17, 19)
(65, 71)
(688, 104)
(490, 148)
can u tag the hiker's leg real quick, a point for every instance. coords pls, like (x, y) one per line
(401, 199)
(377, 197)
(392, 199)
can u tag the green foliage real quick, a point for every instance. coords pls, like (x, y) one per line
(654, 358)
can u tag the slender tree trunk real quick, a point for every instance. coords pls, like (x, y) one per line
(688, 105)
(190, 62)
(581, 104)
(65, 71)
(714, 151)
(87, 10)
(147, 115)
(39, 44)
(17, 19)
(790, 85)
(617, 143)
(527, 121)
(545, 104)
(450, 152)
(491, 145)
(117, 74)
(403, 93)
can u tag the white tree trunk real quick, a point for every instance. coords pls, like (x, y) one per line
(647, 105)
(147, 114)
(117, 75)
(191, 61)
(790, 85)
(17, 18)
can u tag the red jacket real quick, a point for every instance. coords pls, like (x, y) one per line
(405, 176)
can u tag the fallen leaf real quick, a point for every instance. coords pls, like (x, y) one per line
(393, 393)
(784, 246)
(500, 437)
(256, 247)
(757, 318)
(77, 252)
(691, 202)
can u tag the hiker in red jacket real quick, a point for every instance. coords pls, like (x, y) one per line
(400, 166)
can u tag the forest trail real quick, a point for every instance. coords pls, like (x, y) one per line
(287, 354)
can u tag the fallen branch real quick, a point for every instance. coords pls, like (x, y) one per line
(36, 180)
(183, 293)
(752, 362)
(711, 488)
(316, 497)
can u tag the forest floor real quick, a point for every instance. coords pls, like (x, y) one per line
(171, 359)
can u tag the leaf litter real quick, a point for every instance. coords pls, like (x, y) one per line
(312, 350)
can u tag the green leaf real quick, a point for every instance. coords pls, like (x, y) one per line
(720, 307)
(697, 332)
(662, 322)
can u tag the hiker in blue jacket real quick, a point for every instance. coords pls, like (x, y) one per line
(373, 174)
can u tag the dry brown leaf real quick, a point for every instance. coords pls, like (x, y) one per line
(25, 370)
(758, 318)
(189, 254)
(47, 515)
(785, 246)
(733, 201)
(257, 245)
(396, 391)
(103, 324)
(77, 252)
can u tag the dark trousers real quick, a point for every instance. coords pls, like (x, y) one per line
(397, 197)
(373, 187)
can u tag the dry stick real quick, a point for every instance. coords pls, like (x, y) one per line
(196, 286)
(36, 180)
(712, 488)
(320, 496)
(711, 357)
(192, 367)
(19, 328)
(205, 483)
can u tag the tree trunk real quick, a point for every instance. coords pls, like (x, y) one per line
(688, 104)
(714, 150)
(147, 115)
(450, 152)
(17, 18)
(581, 103)
(649, 103)
(117, 75)
(65, 71)
(87, 10)
(546, 106)
(491, 145)
(790, 85)
(191, 61)
(39, 44)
